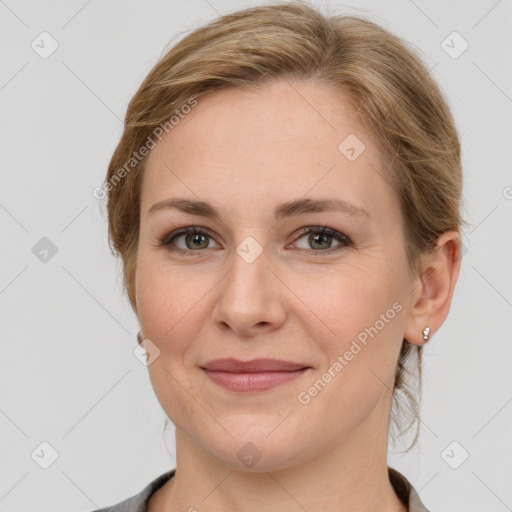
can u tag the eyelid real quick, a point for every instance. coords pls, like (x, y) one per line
(166, 240)
(338, 235)
(344, 240)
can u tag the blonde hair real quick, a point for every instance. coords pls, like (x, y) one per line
(390, 88)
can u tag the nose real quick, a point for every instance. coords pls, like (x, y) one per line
(251, 298)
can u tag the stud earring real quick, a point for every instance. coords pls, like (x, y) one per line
(426, 335)
(140, 338)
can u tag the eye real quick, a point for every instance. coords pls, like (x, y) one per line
(321, 238)
(194, 238)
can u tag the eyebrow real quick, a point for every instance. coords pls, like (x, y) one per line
(288, 209)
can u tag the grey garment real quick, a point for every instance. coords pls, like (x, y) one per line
(405, 491)
(139, 502)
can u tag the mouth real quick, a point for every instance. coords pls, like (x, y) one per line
(256, 375)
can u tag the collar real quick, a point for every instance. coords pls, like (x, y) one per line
(139, 503)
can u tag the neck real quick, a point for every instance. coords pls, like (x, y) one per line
(351, 477)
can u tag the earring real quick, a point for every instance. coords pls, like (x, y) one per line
(140, 338)
(426, 335)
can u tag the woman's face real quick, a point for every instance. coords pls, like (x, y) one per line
(254, 283)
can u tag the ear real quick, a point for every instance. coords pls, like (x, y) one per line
(434, 287)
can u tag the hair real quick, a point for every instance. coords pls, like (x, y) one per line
(390, 88)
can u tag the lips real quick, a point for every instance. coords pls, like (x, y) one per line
(252, 376)
(232, 365)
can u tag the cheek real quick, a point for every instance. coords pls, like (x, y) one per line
(363, 315)
(353, 298)
(165, 298)
(351, 311)
(361, 348)
(165, 304)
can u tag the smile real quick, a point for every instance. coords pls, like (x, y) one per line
(243, 382)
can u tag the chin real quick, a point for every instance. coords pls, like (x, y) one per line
(255, 450)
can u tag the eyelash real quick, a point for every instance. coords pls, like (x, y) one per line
(322, 230)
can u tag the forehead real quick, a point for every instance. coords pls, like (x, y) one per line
(255, 147)
(273, 113)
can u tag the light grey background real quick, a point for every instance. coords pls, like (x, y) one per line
(68, 373)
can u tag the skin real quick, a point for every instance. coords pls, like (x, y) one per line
(246, 151)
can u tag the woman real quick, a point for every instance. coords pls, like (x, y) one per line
(285, 200)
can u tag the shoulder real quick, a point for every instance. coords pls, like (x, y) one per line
(405, 491)
(139, 501)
